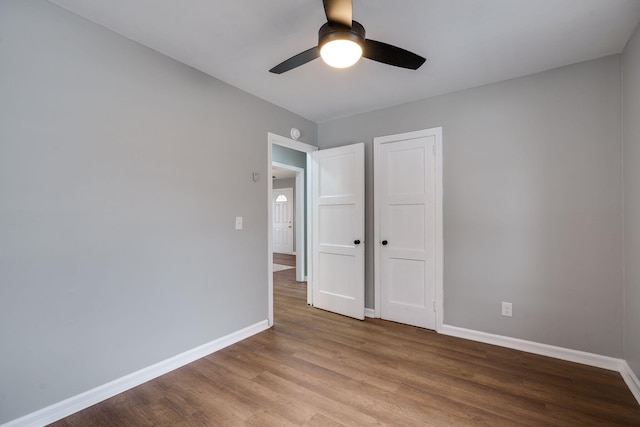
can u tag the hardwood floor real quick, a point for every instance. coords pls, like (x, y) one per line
(284, 259)
(316, 368)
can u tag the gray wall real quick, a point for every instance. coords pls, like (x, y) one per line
(121, 172)
(532, 202)
(631, 130)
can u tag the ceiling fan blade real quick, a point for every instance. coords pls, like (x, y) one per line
(338, 12)
(296, 61)
(392, 55)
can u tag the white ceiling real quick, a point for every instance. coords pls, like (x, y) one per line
(467, 43)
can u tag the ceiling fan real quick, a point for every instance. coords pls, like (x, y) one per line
(341, 43)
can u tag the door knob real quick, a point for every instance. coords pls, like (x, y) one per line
(356, 242)
(384, 243)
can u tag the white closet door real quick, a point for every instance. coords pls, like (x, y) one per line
(406, 205)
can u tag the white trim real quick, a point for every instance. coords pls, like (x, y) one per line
(309, 190)
(290, 143)
(439, 231)
(269, 233)
(369, 312)
(590, 359)
(377, 292)
(69, 406)
(631, 379)
(272, 138)
(439, 253)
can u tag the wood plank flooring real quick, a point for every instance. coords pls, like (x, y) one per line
(315, 368)
(284, 259)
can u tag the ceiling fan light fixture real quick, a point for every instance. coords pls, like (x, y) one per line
(341, 53)
(341, 43)
(341, 46)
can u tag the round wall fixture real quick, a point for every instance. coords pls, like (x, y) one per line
(295, 133)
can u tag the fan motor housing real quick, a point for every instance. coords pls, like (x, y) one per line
(329, 32)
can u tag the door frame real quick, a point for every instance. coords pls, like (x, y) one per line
(439, 253)
(273, 138)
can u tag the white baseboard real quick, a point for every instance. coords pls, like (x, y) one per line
(631, 379)
(82, 401)
(369, 312)
(591, 359)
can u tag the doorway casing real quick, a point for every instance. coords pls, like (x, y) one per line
(305, 148)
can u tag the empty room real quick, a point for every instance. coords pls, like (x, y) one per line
(462, 225)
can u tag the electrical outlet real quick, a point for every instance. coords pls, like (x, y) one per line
(238, 223)
(507, 309)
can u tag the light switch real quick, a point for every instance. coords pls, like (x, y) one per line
(238, 223)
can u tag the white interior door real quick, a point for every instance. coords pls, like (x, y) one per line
(406, 206)
(283, 220)
(338, 229)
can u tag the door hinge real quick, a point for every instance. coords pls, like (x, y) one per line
(434, 149)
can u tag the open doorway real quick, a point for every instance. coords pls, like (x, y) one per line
(288, 208)
(302, 189)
